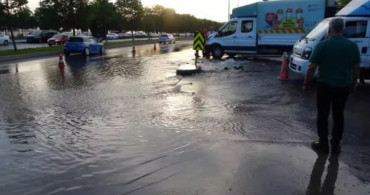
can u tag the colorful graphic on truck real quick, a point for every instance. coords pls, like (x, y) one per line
(285, 24)
(284, 17)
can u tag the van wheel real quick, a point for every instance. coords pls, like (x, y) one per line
(5, 42)
(217, 52)
(87, 51)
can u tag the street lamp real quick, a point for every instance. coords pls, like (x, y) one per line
(228, 12)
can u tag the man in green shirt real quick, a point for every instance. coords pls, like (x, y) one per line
(337, 62)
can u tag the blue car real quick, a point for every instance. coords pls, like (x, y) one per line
(85, 44)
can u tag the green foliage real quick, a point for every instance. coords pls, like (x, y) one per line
(24, 19)
(9, 10)
(47, 18)
(161, 19)
(69, 14)
(102, 17)
(132, 13)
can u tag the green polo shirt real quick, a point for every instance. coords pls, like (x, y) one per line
(335, 58)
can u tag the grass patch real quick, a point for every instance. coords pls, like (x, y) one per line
(30, 50)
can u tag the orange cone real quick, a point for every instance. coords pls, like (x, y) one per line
(284, 68)
(61, 61)
(155, 46)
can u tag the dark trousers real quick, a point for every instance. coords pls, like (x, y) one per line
(331, 98)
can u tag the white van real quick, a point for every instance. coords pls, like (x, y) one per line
(356, 16)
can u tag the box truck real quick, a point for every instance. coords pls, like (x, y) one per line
(356, 16)
(266, 27)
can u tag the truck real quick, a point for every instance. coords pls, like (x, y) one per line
(267, 27)
(356, 16)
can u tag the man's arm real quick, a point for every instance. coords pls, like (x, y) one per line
(309, 74)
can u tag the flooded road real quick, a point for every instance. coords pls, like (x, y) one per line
(124, 124)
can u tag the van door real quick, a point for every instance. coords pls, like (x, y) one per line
(358, 32)
(246, 39)
(227, 35)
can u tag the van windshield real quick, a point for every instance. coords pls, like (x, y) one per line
(318, 31)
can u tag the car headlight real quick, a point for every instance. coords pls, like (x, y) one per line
(307, 53)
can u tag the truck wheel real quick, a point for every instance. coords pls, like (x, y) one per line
(217, 52)
(5, 42)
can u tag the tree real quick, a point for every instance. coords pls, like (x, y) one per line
(103, 16)
(9, 8)
(72, 14)
(24, 19)
(46, 17)
(132, 12)
(148, 24)
(169, 20)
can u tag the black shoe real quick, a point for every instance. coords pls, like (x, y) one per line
(320, 147)
(335, 149)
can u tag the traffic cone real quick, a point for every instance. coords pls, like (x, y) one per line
(61, 61)
(155, 46)
(284, 68)
(133, 49)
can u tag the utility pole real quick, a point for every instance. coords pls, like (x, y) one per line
(10, 25)
(228, 12)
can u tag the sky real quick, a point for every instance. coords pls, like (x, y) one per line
(216, 10)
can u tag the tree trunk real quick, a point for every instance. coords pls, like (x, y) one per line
(12, 35)
(10, 25)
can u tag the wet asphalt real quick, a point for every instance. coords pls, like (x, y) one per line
(124, 124)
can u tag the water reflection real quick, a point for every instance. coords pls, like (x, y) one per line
(328, 187)
(4, 71)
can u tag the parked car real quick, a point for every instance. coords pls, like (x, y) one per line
(141, 35)
(83, 44)
(112, 36)
(167, 38)
(4, 40)
(58, 39)
(40, 36)
(124, 36)
(154, 35)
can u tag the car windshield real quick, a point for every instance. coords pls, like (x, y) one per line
(164, 36)
(318, 31)
(75, 39)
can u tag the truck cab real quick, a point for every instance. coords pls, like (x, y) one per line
(238, 36)
(357, 29)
